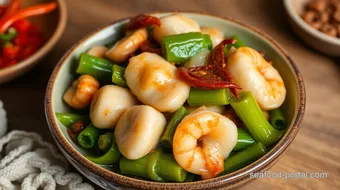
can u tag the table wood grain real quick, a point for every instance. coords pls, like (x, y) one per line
(315, 149)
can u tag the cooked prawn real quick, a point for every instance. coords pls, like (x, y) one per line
(123, 49)
(97, 51)
(202, 141)
(253, 73)
(80, 93)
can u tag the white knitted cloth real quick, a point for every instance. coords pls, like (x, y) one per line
(30, 163)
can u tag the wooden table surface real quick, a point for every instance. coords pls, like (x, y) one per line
(315, 149)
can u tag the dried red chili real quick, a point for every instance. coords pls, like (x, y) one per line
(202, 82)
(72, 135)
(77, 127)
(212, 76)
(142, 21)
(151, 46)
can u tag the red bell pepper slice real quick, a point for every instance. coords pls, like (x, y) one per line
(6, 22)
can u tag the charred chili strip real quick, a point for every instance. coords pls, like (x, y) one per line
(204, 84)
(142, 21)
(151, 46)
(218, 59)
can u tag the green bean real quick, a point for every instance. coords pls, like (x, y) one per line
(105, 141)
(244, 139)
(168, 135)
(88, 137)
(134, 167)
(67, 119)
(277, 119)
(190, 177)
(243, 158)
(118, 75)
(111, 157)
(180, 47)
(97, 67)
(253, 118)
(199, 97)
(157, 166)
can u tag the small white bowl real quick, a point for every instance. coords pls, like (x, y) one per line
(316, 39)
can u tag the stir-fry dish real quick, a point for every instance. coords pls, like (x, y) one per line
(20, 38)
(172, 101)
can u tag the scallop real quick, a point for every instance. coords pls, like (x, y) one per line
(138, 131)
(155, 82)
(108, 104)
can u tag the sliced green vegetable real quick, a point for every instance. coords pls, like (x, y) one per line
(170, 129)
(243, 158)
(118, 75)
(88, 137)
(244, 139)
(67, 119)
(208, 41)
(105, 141)
(239, 42)
(7, 37)
(190, 177)
(253, 118)
(277, 119)
(157, 166)
(180, 47)
(97, 67)
(199, 97)
(111, 157)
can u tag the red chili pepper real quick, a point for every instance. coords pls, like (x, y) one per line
(72, 135)
(22, 25)
(151, 46)
(26, 12)
(204, 83)
(212, 76)
(21, 39)
(142, 21)
(26, 52)
(218, 58)
(12, 7)
(77, 127)
(11, 51)
(2, 11)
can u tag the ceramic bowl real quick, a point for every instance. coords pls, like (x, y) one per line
(316, 39)
(52, 26)
(62, 77)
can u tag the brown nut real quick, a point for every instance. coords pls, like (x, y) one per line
(318, 5)
(336, 16)
(324, 17)
(312, 18)
(329, 30)
(338, 29)
(335, 4)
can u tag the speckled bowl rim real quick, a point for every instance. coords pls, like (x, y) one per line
(33, 59)
(230, 180)
(291, 11)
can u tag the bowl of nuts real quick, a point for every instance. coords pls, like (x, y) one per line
(317, 22)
